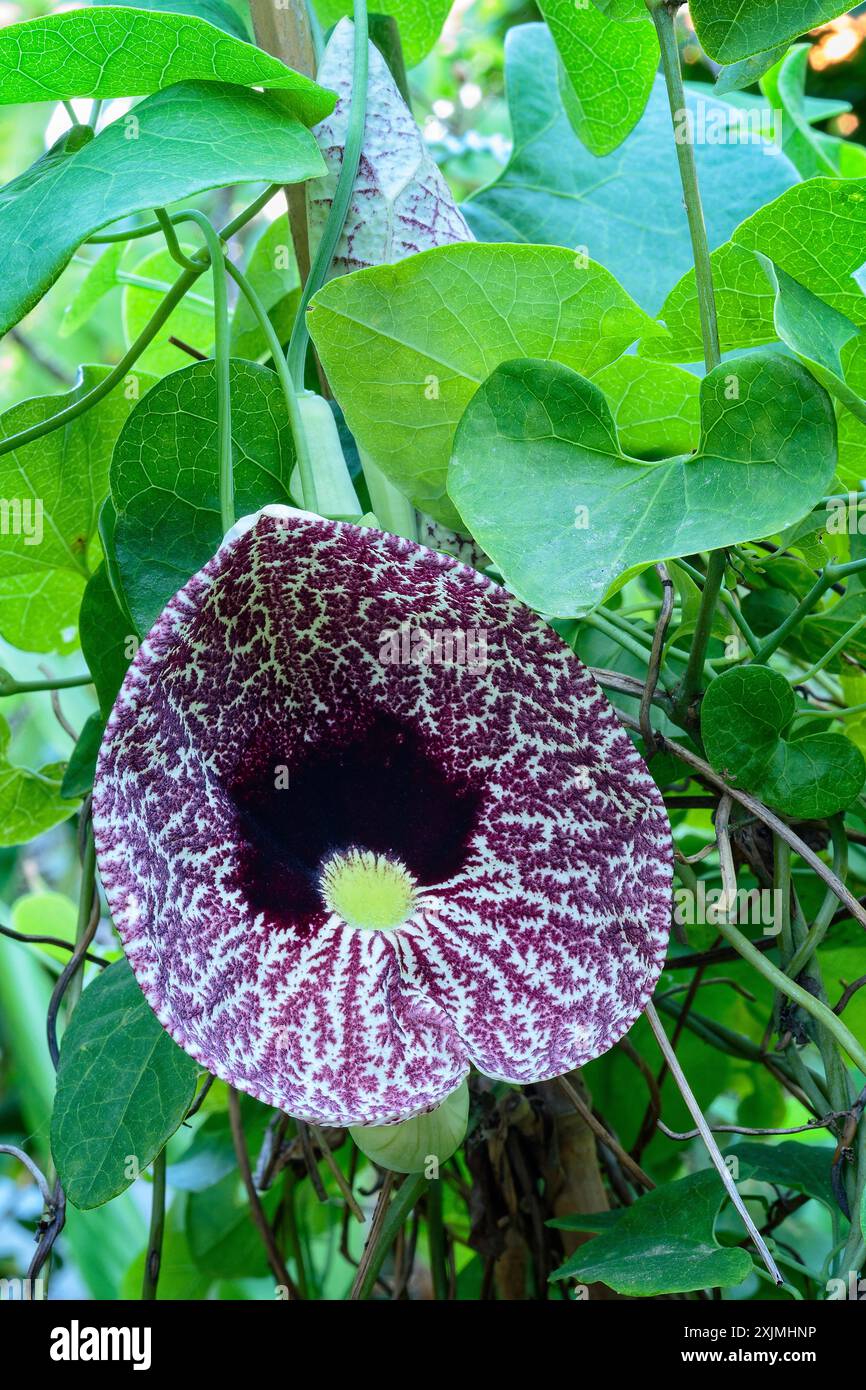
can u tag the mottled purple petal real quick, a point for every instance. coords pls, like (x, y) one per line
(274, 716)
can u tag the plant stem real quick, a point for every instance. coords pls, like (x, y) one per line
(153, 1258)
(10, 686)
(436, 1240)
(830, 653)
(257, 1211)
(711, 1146)
(222, 357)
(820, 1012)
(342, 195)
(692, 679)
(664, 18)
(299, 434)
(146, 336)
(389, 1217)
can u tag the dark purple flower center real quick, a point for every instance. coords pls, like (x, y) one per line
(379, 790)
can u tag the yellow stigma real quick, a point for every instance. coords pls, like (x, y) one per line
(368, 890)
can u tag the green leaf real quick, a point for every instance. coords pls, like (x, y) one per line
(607, 71)
(222, 1237)
(30, 802)
(784, 85)
(627, 208)
(47, 914)
(743, 74)
(664, 1243)
(191, 321)
(815, 233)
(47, 164)
(123, 1088)
(165, 476)
(420, 21)
(118, 51)
(216, 12)
(540, 478)
(817, 333)
(273, 273)
(406, 346)
(655, 407)
(730, 30)
(183, 140)
(744, 309)
(101, 278)
(803, 1167)
(81, 768)
(58, 482)
(107, 642)
(743, 717)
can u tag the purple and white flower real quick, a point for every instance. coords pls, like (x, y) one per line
(340, 881)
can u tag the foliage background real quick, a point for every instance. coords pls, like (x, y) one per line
(458, 95)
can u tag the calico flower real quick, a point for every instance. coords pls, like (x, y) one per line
(363, 821)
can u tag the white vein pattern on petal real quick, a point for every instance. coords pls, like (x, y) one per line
(538, 954)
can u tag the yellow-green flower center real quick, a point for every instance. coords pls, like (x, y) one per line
(368, 890)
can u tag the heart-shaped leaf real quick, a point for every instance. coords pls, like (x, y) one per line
(165, 478)
(817, 332)
(731, 29)
(744, 716)
(53, 489)
(177, 143)
(607, 71)
(816, 233)
(626, 209)
(540, 478)
(664, 1243)
(406, 346)
(30, 802)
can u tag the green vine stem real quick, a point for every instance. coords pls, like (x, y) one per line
(222, 351)
(290, 393)
(10, 686)
(153, 1257)
(712, 1147)
(664, 17)
(829, 576)
(297, 353)
(145, 337)
(785, 985)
